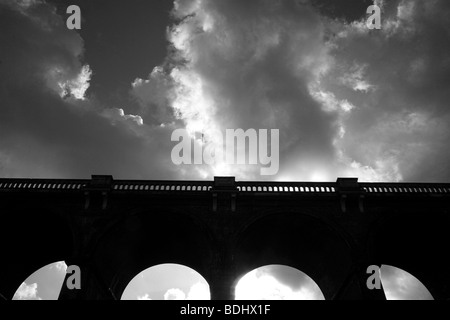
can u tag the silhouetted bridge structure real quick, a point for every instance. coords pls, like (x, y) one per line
(223, 229)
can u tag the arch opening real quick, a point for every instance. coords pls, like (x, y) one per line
(167, 282)
(123, 251)
(277, 282)
(30, 238)
(301, 241)
(399, 284)
(416, 243)
(43, 284)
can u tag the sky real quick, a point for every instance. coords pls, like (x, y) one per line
(347, 101)
(176, 282)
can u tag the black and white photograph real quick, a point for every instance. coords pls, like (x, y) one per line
(224, 150)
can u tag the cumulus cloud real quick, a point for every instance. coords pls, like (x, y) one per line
(27, 292)
(174, 294)
(144, 297)
(116, 114)
(248, 65)
(262, 284)
(76, 87)
(153, 97)
(60, 266)
(199, 291)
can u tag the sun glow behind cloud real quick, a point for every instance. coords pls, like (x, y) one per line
(289, 48)
(261, 284)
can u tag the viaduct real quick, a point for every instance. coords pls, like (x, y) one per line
(114, 229)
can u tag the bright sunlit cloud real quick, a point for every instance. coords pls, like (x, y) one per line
(27, 292)
(260, 284)
(174, 294)
(198, 291)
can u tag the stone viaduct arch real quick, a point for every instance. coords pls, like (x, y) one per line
(147, 239)
(114, 229)
(32, 236)
(418, 245)
(299, 241)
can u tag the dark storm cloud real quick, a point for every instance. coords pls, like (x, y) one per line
(48, 128)
(347, 10)
(402, 119)
(125, 40)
